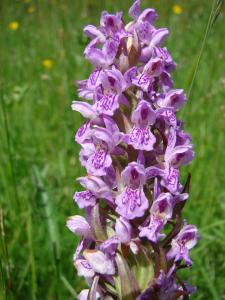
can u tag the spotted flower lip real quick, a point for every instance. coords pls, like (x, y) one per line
(84, 199)
(133, 238)
(84, 268)
(132, 202)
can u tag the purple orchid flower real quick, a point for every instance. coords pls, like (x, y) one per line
(109, 93)
(182, 243)
(164, 54)
(132, 202)
(95, 155)
(161, 211)
(175, 156)
(174, 98)
(110, 246)
(109, 35)
(152, 69)
(141, 137)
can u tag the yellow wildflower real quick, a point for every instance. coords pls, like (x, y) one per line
(31, 9)
(47, 63)
(177, 9)
(14, 25)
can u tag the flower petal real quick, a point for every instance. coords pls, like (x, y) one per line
(84, 108)
(79, 226)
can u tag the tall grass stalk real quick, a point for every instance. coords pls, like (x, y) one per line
(214, 13)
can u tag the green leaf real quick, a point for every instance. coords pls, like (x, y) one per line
(126, 283)
(143, 269)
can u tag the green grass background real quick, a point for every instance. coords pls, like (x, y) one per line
(39, 159)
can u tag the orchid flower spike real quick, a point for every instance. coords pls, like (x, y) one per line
(133, 239)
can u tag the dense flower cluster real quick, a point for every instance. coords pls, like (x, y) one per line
(134, 239)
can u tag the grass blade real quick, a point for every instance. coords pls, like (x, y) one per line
(201, 49)
(32, 258)
(9, 150)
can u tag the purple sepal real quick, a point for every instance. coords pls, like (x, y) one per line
(179, 156)
(85, 109)
(100, 262)
(123, 230)
(134, 10)
(110, 246)
(83, 133)
(79, 226)
(174, 98)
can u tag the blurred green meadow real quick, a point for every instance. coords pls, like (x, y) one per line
(41, 58)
